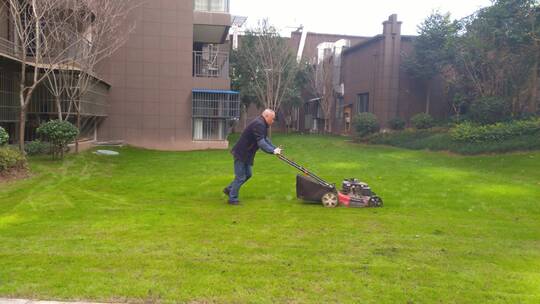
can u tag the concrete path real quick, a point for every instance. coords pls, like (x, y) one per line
(25, 301)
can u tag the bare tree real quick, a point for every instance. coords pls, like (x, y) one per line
(37, 46)
(104, 28)
(321, 80)
(270, 64)
(100, 28)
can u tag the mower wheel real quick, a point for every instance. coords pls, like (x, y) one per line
(375, 201)
(329, 200)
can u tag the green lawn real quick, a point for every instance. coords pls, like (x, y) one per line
(150, 226)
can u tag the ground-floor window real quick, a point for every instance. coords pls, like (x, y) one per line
(339, 107)
(213, 113)
(209, 129)
(362, 103)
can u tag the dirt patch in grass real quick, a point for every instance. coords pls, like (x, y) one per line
(14, 174)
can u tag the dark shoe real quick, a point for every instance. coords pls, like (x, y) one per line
(226, 191)
(234, 203)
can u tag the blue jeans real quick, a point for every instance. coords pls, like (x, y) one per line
(242, 172)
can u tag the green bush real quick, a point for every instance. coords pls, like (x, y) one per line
(441, 140)
(60, 134)
(11, 158)
(422, 121)
(365, 124)
(4, 137)
(396, 123)
(36, 147)
(469, 132)
(489, 110)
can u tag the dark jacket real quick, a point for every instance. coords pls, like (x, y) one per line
(254, 137)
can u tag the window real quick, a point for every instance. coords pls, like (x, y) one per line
(209, 129)
(211, 5)
(362, 103)
(213, 112)
(339, 107)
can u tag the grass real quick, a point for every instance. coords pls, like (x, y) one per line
(151, 226)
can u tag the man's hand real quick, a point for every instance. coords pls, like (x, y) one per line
(277, 151)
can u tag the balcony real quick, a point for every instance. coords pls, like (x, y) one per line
(213, 6)
(211, 65)
(211, 21)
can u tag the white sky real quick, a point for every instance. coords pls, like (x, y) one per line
(349, 17)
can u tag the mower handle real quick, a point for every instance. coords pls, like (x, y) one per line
(304, 170)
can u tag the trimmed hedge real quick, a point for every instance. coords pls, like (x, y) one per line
(366, 123)
(441, 140)
(4, 137)
(60, 134)
(469, 132)
(37, 147)
(422, 121)
(10, 159)
(396, 123)
(489, 110)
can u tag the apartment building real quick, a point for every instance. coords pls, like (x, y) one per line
(375, 81)
(166, 88)
(368, 77)
(170, 86)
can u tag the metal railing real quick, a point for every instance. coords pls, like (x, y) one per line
(60, 55)
(216, 105)
(7, 47)
(213, 113)
(219, 6)
(211, 65)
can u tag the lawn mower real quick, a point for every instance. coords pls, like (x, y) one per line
(353, 193)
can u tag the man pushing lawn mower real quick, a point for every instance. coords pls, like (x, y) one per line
(253, 138)
(309, 186)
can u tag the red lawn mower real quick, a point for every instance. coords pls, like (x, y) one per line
(353, 193)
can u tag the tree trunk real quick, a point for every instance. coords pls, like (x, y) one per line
(428, 96)
(58, 107)
(329, 122)
(534, 89)
(22, 126)
(78, 128)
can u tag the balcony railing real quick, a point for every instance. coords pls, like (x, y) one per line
(218, 6)
(211, 65)
(60, 56)
(7, 47)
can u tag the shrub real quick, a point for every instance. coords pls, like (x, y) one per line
(11, 158)
(396, 123)
(422, 121)
(489, 110)
(469, 132)
(60, 134)
(4, 137)
(366, 123)
(438, 139)
(36, 147)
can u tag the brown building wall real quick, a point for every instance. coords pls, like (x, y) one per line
(375, 67)
(314, 39)
(151, 79)
(360, 74)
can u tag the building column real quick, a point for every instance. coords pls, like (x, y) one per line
(389, 73)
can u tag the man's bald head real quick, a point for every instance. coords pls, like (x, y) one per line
(269, 116)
